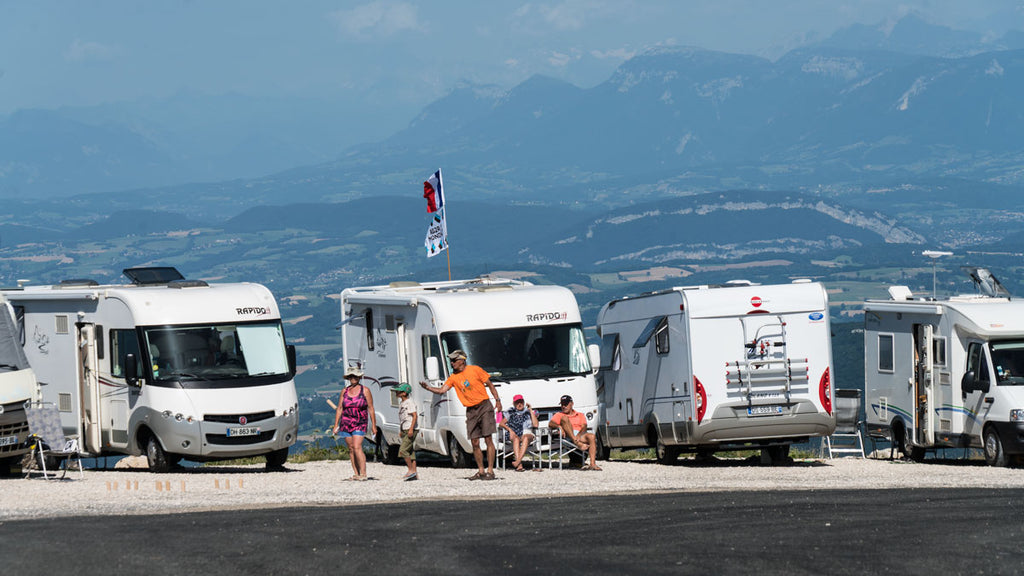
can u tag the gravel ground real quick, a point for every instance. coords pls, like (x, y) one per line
(116, 492)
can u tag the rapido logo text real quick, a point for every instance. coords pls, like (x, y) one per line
(547, 317)
(253, 311)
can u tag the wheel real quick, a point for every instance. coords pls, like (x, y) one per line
(157, 458)
(386, 453)
(459, 457)
(277, 459)
(666, 454)
(915, 453)
(994, 454)
(604, 452)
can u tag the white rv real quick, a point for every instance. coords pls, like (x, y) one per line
(17, 386)
(529, 338)
(709, 368)
(947, 372)
(166, 367)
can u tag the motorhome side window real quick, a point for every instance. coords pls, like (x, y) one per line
(886, 362)
(368, 317)
(19, 319)
(122, 343)
(431, 348)
(939, 351)
(976, 361)
(611, 354)
(661, 337)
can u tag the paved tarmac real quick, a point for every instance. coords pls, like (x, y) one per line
(944, 531)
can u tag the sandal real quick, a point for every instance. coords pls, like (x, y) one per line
(585, 467)
(477, 476)
(520, 468)
(596, 468)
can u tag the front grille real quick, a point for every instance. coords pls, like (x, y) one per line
(233, 418)
(225, 440)
(13, 423)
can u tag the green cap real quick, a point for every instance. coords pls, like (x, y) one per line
(403, 387)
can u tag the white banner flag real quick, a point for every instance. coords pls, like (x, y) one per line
(437, 235)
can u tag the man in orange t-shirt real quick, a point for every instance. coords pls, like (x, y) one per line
(471, 384)
(573, 427)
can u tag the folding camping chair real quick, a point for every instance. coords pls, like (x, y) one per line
(48, 441)
(847, 437)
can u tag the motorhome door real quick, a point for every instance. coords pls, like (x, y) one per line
(429, 403)
(924, 389)
(89, 387)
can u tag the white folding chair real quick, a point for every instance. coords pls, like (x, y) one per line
(847, 438)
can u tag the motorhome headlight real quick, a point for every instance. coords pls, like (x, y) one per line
(590, 415)
(166, 413)
(1017, 415)
(179, 417)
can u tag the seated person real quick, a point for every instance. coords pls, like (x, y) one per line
(519, 422)
(573, 427)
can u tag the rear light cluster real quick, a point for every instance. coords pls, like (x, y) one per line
(825, 391)
(702, 399)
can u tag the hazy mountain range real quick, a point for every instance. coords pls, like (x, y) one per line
(871, 104)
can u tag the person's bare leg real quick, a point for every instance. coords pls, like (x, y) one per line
(478, 456)
(490, 454)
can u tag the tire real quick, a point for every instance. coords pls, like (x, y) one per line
(603, 451)
(666, 454)
(459, 457)
(994, 453)
(386, 453)
(277, 459)
(158, 459)
(915, 453)
(6, 464)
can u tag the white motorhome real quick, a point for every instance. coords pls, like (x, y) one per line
(17, 386)
(529, 338)
(708, 368)
(166, 367)
(947, 372)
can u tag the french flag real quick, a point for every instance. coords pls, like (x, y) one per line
(433, 191)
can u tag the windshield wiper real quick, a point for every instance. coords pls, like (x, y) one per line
(188, 375)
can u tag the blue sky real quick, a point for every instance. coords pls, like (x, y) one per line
(403, 54)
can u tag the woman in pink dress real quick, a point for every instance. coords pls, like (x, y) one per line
(354, 412)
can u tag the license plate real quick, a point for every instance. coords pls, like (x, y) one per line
(764, 410)
(247, 431)
(8, 440)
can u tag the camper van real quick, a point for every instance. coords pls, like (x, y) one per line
(709, 368)
(166, 367)
(529, 338)
(947, 372)
(17, 386)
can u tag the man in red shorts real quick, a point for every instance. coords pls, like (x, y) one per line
(471, 384)
(573, 427)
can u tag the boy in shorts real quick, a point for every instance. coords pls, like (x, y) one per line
(407, 418)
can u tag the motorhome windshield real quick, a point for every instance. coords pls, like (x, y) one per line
(217, 352)
(1008, 362)
(525, 352)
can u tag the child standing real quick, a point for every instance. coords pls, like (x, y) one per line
(407, 418)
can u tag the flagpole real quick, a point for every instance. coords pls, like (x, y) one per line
(448, 256)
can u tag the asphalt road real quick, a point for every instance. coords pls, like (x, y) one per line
(950, 531)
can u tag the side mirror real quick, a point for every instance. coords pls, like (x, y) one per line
(131, 370)
(433, 370)
(290, 352)
(594, 351)
(970, 383)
